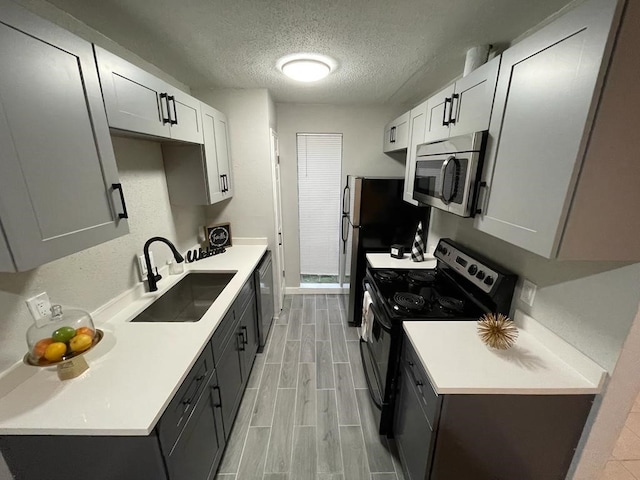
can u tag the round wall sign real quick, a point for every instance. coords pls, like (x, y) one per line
(219, 236)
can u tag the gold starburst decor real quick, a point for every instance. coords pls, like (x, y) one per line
(497, 331)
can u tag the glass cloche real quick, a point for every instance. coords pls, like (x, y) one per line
(60, 336)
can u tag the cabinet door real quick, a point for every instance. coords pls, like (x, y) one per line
(211, 169)
(438, 112)
(57, 164)
(412, 430)
(416, 137)
(473, 100)
(199, 448)
(185, 112)
(543, 109)
(387, 146)
(223, 154)
(132, 96)
(249, 329)
(401, 133)
(230, 381)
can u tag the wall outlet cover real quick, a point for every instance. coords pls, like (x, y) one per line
(39, 306)
(142, 266)
(528, 293)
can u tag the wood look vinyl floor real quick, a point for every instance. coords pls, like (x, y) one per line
(306, 413)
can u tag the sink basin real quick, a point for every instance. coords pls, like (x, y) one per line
(187, 300)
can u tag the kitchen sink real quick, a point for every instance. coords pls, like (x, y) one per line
(187, 300)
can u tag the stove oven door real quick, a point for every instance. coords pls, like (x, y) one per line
(375, 354)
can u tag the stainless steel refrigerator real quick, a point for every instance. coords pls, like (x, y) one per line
(374, 217)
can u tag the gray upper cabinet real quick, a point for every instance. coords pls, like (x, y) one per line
(57, 166)
(464, 107)
(139, 102)
(560, 184)
(396, 134)
(417, 118)
(200, 174)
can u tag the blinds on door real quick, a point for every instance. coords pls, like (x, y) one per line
(319, 196)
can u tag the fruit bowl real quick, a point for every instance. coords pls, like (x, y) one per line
(67, 357)
(61, 339)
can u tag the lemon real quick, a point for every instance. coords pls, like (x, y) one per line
(63, 334)
(55, 351)
(80, 342)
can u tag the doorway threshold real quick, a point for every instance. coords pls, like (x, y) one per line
(317, 289)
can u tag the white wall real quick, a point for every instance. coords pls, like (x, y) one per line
(362, 131)
(250, 210)
(592, 305)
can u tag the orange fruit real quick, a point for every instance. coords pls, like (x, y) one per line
(41, 346)
(55, 351)
(80, 342)
(85, 331)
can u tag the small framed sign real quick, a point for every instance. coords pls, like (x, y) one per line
(219, 235)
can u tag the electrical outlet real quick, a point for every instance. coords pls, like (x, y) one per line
(528, 293)
(39, 306)
(143, 266)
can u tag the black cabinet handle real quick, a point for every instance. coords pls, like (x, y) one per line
(118, 186)
(445, 122)
(217, 389)
(164, 96)
(226, 182)
(476, 200)
(453, 119)
(393, 134)
(241, 346)
(174, 121)
(245, 335)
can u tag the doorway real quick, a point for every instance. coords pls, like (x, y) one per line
(319, 211)
(279, 271)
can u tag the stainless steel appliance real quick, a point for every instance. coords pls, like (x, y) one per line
(463, 286)
(447, 173)
(374, 217)
(265, 297)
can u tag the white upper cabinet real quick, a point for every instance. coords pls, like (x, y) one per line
(59, 187)
(417, 121)
(560, 184)
(396, 134)
(139, 102)
(464, 107)
(201, 174)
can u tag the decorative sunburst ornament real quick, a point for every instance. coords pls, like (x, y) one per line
(497, 331)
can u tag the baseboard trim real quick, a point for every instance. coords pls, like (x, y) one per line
(314, 289)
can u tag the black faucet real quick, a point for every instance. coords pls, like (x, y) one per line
(151, 278)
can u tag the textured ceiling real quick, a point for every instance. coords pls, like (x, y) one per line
(387, 51)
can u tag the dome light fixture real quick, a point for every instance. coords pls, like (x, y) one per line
(306, 68)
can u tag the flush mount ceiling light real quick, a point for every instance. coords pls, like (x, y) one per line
(305, 68)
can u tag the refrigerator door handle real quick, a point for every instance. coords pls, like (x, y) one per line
(346, 198)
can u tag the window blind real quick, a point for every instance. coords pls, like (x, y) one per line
(319, 198)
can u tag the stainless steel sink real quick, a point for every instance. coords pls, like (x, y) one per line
(187, 300)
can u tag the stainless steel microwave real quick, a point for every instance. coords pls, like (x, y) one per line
(448, 173)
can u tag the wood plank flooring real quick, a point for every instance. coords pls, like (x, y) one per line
(306, 413)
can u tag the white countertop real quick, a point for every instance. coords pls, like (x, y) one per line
(385, 260)
(540, 363)
(134, 371)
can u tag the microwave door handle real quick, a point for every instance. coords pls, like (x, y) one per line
(443, 172)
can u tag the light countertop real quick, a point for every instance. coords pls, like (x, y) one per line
(385, 260)
(540, 363)
(134, 371)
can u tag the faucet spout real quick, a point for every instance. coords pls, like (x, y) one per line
(151, 277)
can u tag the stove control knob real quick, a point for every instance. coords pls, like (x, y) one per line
(443, 249)
(488, 280)
(473, 269)
(480, 275)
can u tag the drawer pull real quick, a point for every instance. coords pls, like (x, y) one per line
(219, 404)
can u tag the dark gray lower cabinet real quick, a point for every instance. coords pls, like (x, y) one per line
(483, 437)
(199, 448)
(190, 437)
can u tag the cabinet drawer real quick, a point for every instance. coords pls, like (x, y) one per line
(177, 413)
(219, 339)
(429, 400)
(246, 294)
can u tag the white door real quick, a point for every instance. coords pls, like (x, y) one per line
(277, 204)
(214, 181)
(185, 116)
(416, 137)
(438, 112)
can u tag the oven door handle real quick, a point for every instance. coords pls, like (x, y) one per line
(377, 402)
(376, 313)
